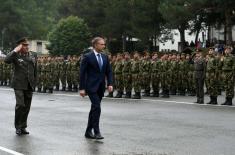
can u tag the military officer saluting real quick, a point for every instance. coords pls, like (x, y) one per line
(23, 82)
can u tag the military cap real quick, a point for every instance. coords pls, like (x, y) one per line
(23, 40)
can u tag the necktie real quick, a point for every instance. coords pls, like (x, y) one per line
(99, 61)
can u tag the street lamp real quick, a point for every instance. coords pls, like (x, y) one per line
(3, 32)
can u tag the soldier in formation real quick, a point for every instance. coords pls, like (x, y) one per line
(170, 74)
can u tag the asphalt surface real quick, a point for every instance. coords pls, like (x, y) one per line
(150, 126)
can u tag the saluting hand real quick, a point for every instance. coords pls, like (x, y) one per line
(18, 48)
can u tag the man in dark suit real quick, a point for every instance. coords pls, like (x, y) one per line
(23, 82)
(95, 68)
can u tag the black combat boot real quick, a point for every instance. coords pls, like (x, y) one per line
(166, 94)
(173, 92)
(110, 94)
(228, 101)
(70, 88)
(197, 100)
(136, 95)
(1, 83)
(44, 90)
(182, 92)
(128, 95)
(146, 93)
(119, 94)
(214, 100)
(75, 89)
(193, 93)
(57, 88)
(211, 100)
(155, 94)
(51, 90)
(39, 90)
(64, 88)
(201, 101)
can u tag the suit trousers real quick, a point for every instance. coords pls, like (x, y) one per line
(95, 111)
(22, 108)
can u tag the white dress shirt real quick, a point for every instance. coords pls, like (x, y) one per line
(97, 57)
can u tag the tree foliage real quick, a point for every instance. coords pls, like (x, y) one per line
(70, 36)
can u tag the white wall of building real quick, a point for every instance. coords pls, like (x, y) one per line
(173, 44)
(38, 46)
(218, 34)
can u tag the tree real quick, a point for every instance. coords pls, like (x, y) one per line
(147, 21)
(177, 16)
(70, 36)
(30, 18)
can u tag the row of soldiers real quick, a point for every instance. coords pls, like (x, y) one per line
(173, 74)
(53, 73)
(5, 73)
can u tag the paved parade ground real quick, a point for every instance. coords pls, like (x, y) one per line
(150, 126)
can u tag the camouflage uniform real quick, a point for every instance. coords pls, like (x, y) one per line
(146, 76)
(118, 76)
(112, 63)
(127, 79)
(69, 74)
(165, 77)
(48, 78)
(57, 73)
(191, 79)
(1, 71)
(228, 69)
(174, 69)
(212, 78)
(63, 73)
(75, 69)
(136, 82)
(182, 77)
(155, 76)
(39, 75)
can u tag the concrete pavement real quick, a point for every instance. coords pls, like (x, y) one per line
(151, 126)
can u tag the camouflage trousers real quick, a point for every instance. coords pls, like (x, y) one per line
(48, 79)
(127, 80)
(75, 77)
(155, 80)
(57, 78)
(165, 80)
(39, 80)
(212, 83)
(146, 78)
(119, 82)
(174, 81)
(182, 85)
(228, 80)
(191, 86)
(63, 79)
(136, 82)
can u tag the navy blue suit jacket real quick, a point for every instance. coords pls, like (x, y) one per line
(92, 78)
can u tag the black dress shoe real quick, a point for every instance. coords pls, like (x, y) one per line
(18, 132)
(98, 136)
(24, 131)
(89, 135)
